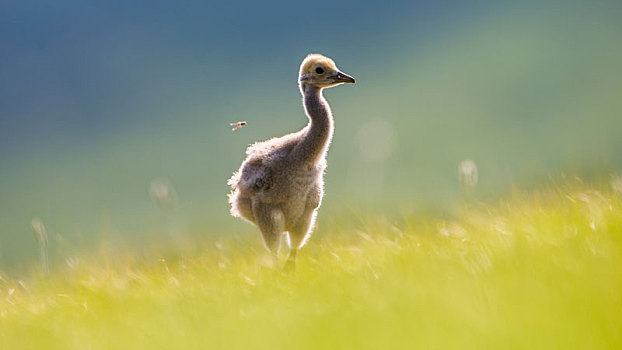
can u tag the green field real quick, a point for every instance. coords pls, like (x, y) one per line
(538, 269)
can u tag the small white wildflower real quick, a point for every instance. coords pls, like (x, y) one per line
(162, 193)
(468, 175)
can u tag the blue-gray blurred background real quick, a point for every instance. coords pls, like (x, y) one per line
(102, 102)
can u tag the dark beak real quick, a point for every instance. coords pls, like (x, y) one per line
(344, 78)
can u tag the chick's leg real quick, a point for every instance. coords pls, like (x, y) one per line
(271, 223)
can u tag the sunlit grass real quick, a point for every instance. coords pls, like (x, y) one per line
(536, 270)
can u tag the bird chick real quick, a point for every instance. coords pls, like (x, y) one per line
(280, 185)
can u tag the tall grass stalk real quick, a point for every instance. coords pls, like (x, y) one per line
(41, 236)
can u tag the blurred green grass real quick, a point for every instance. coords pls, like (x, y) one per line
(537, 269)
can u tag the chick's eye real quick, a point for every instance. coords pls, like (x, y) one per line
(319, 70)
